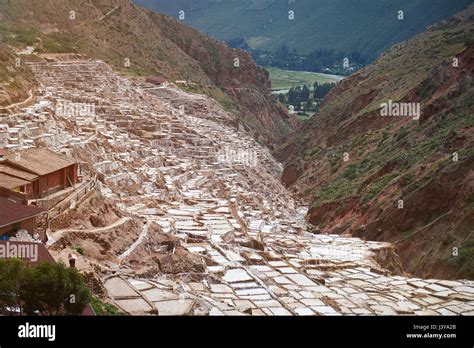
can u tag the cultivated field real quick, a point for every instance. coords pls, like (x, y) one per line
(285, 79)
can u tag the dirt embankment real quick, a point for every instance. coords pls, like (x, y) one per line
(95, 212)
(162, 253)
(97, 228)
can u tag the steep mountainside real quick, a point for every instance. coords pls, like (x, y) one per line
(399, 179)
(117, 31)
(365, 26)
(14, 78)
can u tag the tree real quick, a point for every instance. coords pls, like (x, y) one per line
(282, 52)
(308, 106)
(305, 94)
(281, 98)
(297, 92)
(292, 96)
(79, 294)
(54, 289)
(12, 272)
(49, 288)
(322, 89)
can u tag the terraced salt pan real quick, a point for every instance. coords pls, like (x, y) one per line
(251, 227)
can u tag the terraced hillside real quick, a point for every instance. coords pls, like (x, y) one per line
(120, 32)
(188, 216)
(399, 179)
(179, 212)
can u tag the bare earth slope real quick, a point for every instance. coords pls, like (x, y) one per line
(398, 179)
(14, 82)
(116, 31)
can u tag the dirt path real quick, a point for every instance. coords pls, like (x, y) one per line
(27, 100)
(57, 235)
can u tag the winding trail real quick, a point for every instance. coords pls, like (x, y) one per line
(58, 234)
(19, 104)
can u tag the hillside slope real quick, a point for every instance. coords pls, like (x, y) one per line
(115, 31)
(14, 80)
(365, 26)
(399, 179)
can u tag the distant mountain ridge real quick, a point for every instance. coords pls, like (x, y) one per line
(364, 26)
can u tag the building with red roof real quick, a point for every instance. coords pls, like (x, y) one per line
(36, 173)
(15, 216)
(156, 80)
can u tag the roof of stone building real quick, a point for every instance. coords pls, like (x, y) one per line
(156, 79)
(10, 170)
(11, 212)
(39, 161)
(11, 182)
